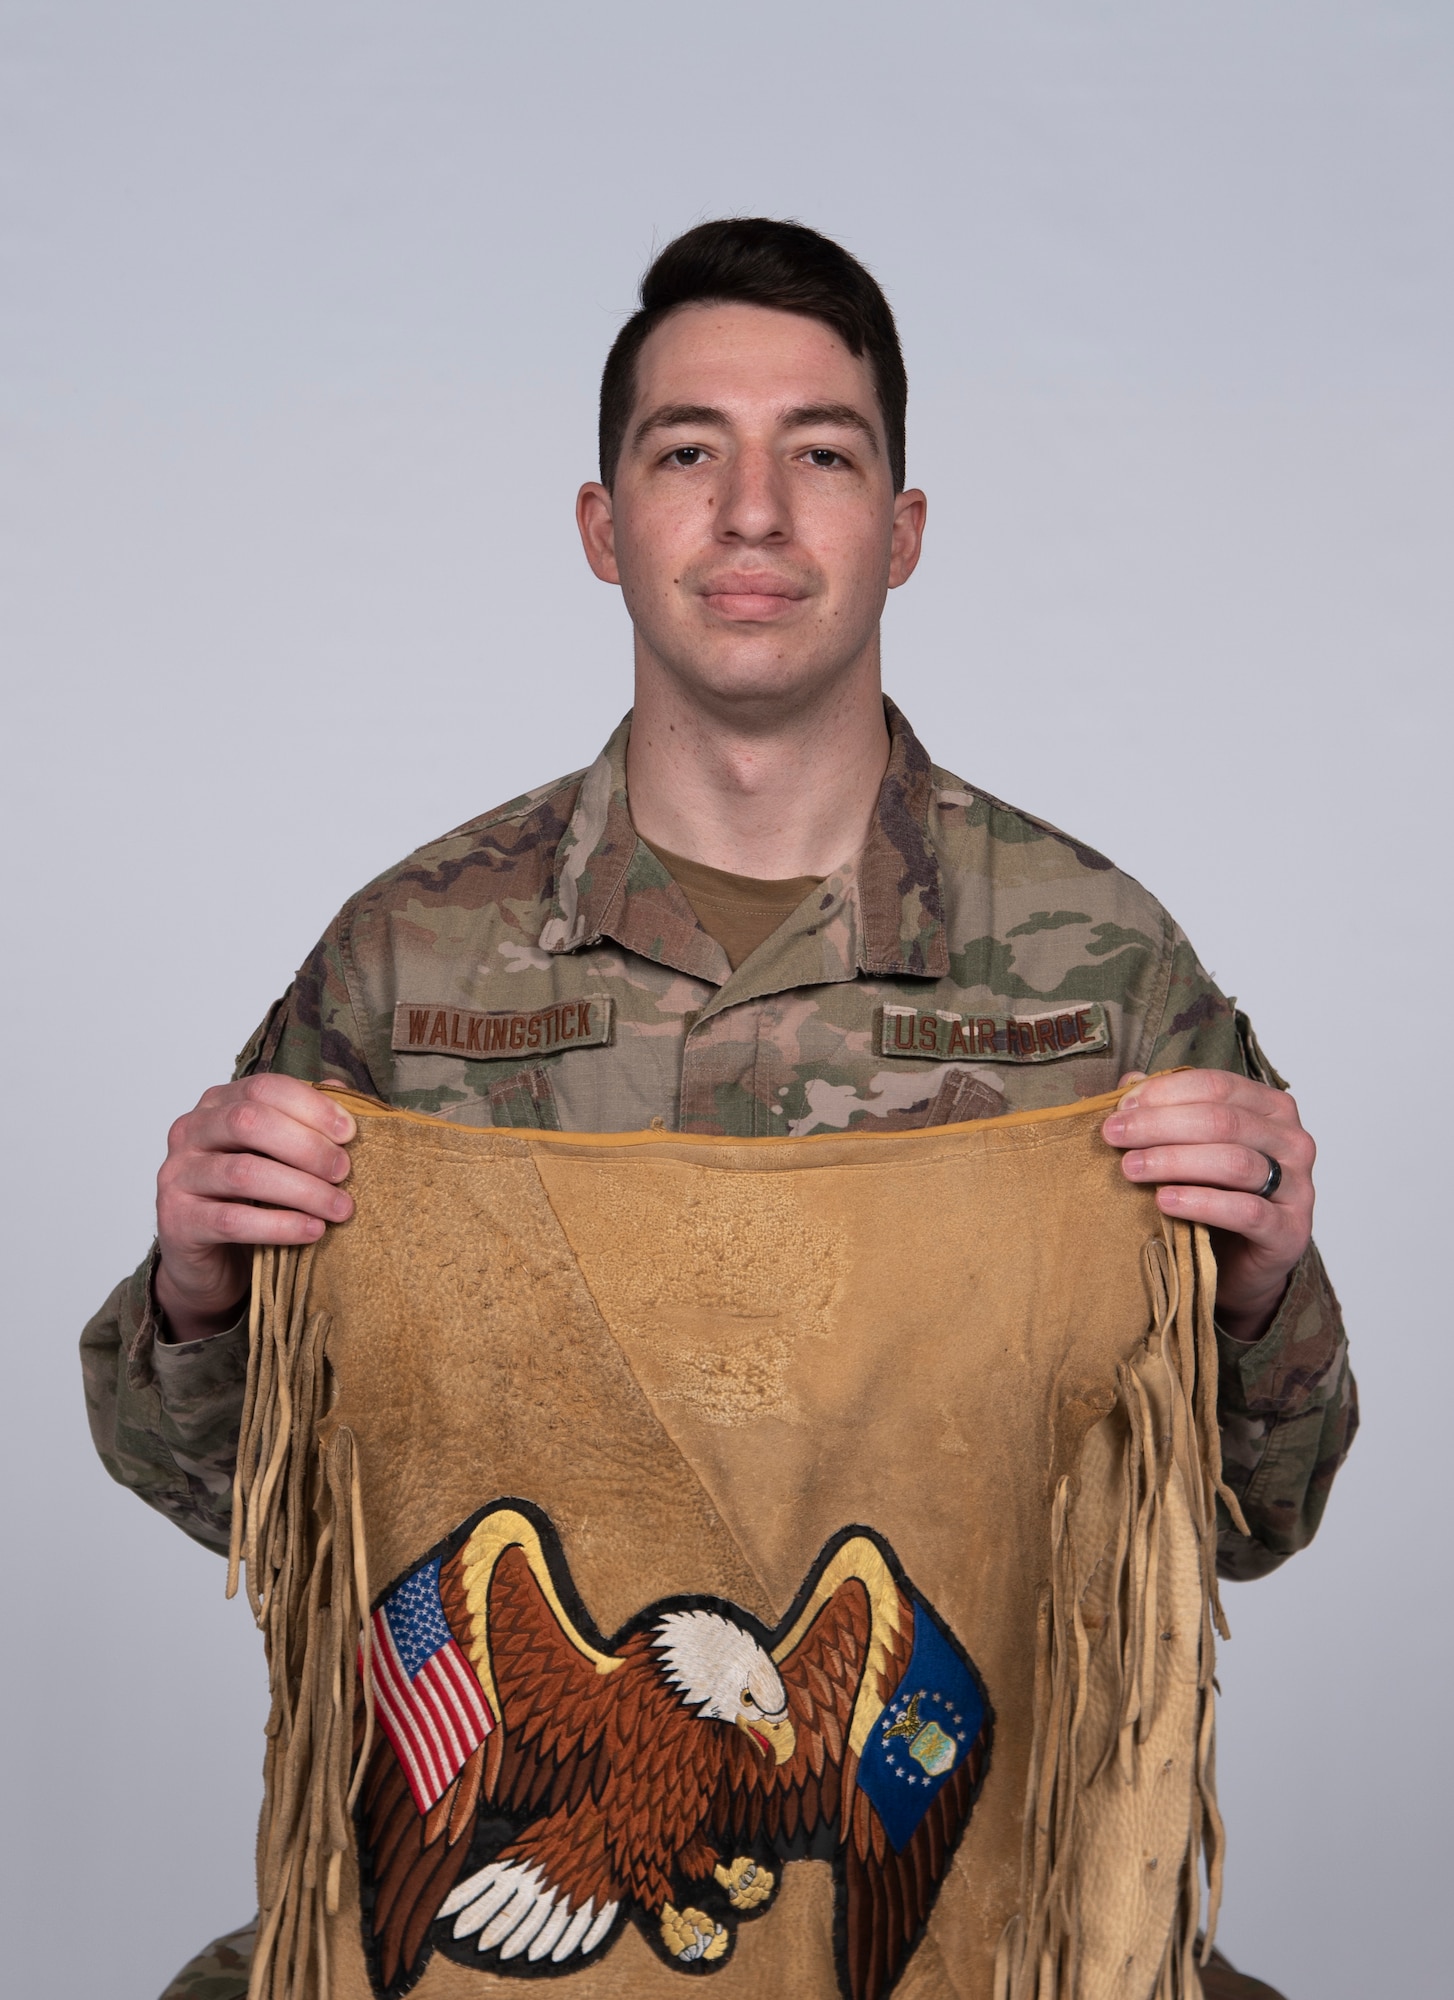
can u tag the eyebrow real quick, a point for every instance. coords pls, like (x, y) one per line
(671, 416)
(841, 414)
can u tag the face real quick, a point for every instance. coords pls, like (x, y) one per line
(753, 526)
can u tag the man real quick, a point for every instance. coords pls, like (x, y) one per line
(762, 910)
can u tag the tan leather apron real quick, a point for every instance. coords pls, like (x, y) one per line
(783, 1561)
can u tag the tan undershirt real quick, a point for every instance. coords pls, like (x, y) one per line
(739, 911)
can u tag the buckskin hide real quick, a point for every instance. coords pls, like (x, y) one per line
(788, 1561)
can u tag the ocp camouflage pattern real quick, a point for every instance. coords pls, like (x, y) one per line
(1033, 973)
(218, 1973)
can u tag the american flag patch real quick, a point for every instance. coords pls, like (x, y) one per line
(427, 1697)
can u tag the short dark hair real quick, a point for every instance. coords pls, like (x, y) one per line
(752, 260)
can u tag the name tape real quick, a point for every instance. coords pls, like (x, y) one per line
(1018, 1038)
(460, 1031)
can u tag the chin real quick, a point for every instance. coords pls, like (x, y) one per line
(765, 672)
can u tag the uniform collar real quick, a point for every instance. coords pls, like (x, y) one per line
(900, 899)
(608, 883)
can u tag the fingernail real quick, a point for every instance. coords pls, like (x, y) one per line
(1113, 1127)
(312, 1226)
(1135, 1163)
(343, 1126)
(340, 1168)
(342, 1208)
(1130, 1103)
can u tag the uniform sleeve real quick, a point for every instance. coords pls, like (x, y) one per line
(165, 1418)
(1288, 1402)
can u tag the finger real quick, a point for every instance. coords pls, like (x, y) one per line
(1241, 1168)
(314, 1108)
(237, 1177)
(1131, 1076)
(1272, 1226)
(236, 1222)
(1211, 1124)
(250, 1124)
(1213, 1086)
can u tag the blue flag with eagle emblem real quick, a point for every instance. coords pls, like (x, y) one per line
(924, 1733)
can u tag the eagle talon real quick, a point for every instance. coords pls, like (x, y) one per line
(690, 1934)
(747, 1882)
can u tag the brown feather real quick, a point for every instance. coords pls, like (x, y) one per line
(415, 1904)
(875, 1980)
(933, 1832)
(888, 1894)
(414, 1879)
(552, 1702)
(891, 1899)
(436, 1820)
(862, 1814)
(394, 1819)
(554, 1705)
(466, 1799)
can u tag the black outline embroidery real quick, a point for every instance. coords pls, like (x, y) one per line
(494, 1830)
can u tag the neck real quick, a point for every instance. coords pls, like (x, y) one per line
(757, 788)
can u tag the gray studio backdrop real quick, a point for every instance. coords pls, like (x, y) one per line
(304, 307)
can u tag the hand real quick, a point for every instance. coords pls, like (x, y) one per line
(1206, 1136)
(256, 1162)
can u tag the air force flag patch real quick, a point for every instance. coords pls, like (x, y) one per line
(924, 1733)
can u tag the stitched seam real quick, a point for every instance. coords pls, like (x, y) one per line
(691, 1471)
(353, 982)
(1156, 1008)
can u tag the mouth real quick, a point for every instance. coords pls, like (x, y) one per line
(752, 599)
(775, 1743)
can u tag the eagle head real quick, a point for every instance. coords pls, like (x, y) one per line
(722, 1673)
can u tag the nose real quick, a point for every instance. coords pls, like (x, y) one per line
(753, 501)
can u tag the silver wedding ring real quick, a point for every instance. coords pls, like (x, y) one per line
(1274, 1178)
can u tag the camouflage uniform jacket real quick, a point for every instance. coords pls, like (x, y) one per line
(540, 967)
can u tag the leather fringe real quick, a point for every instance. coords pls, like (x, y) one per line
(297, 1531)
(1167, 1424)
(297, 1534)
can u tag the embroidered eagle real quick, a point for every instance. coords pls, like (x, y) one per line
(533, 1786)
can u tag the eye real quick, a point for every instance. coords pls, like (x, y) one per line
(824, 457)
(747, 1701)
(686, 455)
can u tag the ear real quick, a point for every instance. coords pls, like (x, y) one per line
(910, 508)
(597, 523)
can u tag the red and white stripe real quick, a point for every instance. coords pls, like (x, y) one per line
(434, 1721)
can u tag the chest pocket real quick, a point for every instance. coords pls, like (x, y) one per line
(961, 1097)
(525, 1101)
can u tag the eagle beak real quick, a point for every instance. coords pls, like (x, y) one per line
(778, 1739)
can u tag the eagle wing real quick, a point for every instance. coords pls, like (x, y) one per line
(548, 1691)
(844, 1663)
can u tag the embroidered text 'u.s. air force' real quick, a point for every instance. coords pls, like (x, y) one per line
(943, 1036)
(422, 1029)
